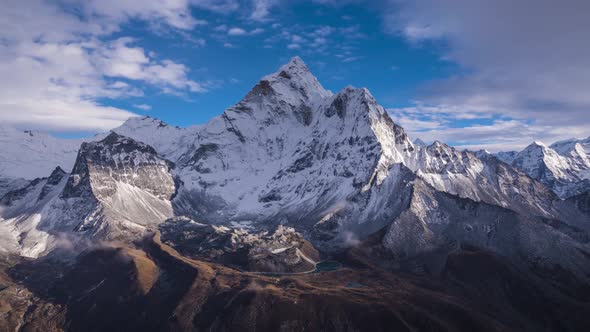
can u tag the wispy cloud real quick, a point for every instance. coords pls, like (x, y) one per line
(236, 31)
(261, 9)
(352, 58)
(465, 128)
(143, 107)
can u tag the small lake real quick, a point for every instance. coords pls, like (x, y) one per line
(327, 266)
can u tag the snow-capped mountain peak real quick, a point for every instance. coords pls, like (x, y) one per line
(296, 74)
(169, 141)
(419, 143)
(563, 166)
(29, 154)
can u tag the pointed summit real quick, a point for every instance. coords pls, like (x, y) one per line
(537, 144)
(287, 97)
(420, 143)
(295, 73)
(296, 64)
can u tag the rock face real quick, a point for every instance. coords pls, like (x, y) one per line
(436, 219)
(122, 185)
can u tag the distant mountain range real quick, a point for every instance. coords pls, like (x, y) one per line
(563, 166)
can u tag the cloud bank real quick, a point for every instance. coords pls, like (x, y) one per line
(527, 60)
(60, 64)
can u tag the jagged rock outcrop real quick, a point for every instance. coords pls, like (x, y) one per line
(282, 250)
(118, 186)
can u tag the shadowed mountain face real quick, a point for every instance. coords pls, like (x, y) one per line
(296, 209)
(157, 289)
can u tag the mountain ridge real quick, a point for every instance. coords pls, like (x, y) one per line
(332, 165)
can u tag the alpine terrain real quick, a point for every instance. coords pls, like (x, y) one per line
(296, 209)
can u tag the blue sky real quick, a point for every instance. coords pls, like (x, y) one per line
(445, 70)
(352, 49)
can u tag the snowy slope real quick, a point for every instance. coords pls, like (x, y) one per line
(564, 166)
(30, 155)
(170, 141)
(435, 219)
(566, 146)
(290, 150)
(481, 177)
(22, 210)
(506, 156)
(121, 186)
(117, 188)
(419, 143)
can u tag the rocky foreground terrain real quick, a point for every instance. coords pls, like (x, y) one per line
(297, 209)
(154, 288)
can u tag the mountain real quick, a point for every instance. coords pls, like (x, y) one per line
(117, 188)
(27, 155)
(419, 143)
(169, 141)
(572, 145)
(563, 166)
(290, 152)
(289, 176)
(121, 185)
(21, 213)
(506, 156)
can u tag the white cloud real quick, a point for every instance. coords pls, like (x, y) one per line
(144, 107)
(221, 28)
(323, 31)
(262, 9)
(60, 64)
(236, 32)
(319, 39)
(220, 6)
(175, 13)
(352, 58)
(241, 32)
(297, 39)
(118, 59)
